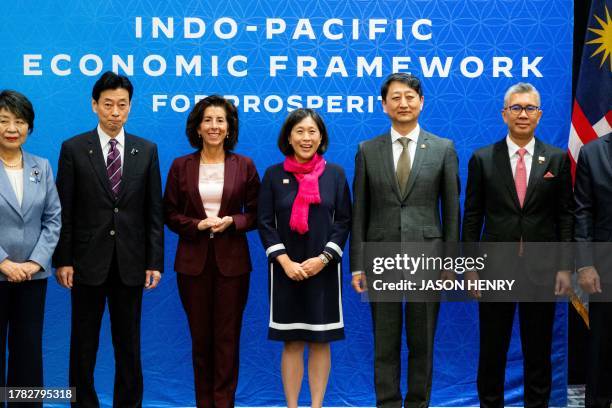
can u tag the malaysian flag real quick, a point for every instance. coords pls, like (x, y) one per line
(592, 113)
(592, 110)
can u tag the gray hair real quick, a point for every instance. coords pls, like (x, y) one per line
(521, 87)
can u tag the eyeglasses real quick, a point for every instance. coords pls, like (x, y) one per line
(530, 110)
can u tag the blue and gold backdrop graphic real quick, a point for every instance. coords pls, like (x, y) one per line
(271, 56)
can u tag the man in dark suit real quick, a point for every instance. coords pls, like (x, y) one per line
(406, 189)
(111, 243)
(593, 215)
(520, 190)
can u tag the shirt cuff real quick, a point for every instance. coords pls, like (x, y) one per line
(275, 250)
(334, 249)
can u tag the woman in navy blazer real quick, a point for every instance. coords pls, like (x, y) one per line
(210, 202)
(30, 221)
(304, 220)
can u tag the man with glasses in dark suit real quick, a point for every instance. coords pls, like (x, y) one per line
(519, 190)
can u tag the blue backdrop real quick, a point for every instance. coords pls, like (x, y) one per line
(263, 53)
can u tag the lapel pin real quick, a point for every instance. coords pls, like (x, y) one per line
(423, 146)
(90, 152)
(35, 176)
(541, 159)
(285, 181)
(134, 152)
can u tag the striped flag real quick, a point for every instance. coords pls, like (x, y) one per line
(592, 109)
(592, 113)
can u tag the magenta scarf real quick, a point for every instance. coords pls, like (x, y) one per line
(307, 175)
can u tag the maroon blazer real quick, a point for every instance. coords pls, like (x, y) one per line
(183, 210)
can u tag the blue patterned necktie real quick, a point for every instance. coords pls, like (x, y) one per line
(113, 167)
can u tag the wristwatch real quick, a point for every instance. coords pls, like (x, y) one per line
(324, 259)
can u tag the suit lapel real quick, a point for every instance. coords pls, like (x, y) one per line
(130, 163)
(193, 183)
(420, 154)
(6, 190)
(386, 158)
(230, 173)
(96, 157)
(32, 178)
(502, 161)
(608, 151)
(538, 167)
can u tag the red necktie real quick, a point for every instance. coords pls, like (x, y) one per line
(520, 176)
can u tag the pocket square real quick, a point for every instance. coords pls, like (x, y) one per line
(549, 175)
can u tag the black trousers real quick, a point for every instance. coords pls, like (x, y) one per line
(22, 312)
(536, 325)
(599, 361)
(124, 305)
(388, 319)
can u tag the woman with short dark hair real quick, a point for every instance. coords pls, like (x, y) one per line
(304, 220)
(30, 221)
(210, 202)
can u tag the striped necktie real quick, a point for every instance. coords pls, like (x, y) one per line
(113, 167)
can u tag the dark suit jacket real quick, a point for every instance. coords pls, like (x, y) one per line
(491, 198)
(184, 210)
(94, 224)
(428, 211)
(594, 196)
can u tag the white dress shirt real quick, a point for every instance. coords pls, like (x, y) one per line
(15, 177)
(105, 144)
(514, 156)
(413, 137)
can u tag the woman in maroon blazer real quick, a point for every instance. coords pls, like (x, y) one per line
(210, 202)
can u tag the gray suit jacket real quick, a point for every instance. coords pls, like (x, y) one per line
(30, 232)
(430, 208)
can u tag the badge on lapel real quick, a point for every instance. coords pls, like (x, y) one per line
(541, 159)
(35, 176)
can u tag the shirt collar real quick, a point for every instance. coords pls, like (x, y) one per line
(413, 135)
(513, 147)
(105, 138)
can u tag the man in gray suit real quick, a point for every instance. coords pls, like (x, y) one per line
(406, 189)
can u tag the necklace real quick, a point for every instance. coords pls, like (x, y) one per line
(211, 161)
(10, 165)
